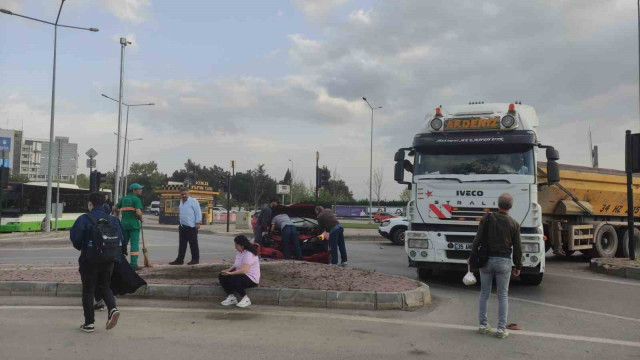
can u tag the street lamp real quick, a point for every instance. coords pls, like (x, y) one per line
(116, 185)
(371, 160)
(47, 224)
(291, 182)
(127, 145)
(126, 132)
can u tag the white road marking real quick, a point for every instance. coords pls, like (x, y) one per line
(595, 279)
(575, 309)
(280, 313)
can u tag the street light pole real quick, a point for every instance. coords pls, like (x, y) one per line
(47, 225)
(116, 185)
(291, 182)
(125, 169)
(126, 177)
(371, 160)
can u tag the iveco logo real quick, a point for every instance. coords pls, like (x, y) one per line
(469, 193)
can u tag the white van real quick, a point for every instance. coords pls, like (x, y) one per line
(154, 208)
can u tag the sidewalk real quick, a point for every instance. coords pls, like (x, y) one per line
(621, 267)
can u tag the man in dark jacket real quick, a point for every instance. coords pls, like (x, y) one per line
(328, 221)
(94, 273)
(264, 220)
(502, 238)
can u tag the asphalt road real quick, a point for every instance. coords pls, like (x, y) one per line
(574, 314)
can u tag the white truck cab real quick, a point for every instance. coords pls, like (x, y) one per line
(464, 157)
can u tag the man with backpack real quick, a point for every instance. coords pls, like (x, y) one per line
(99, 238)
(131, 207)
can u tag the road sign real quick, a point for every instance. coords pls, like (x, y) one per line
(91, 153)
(283, 190)
(91, 163)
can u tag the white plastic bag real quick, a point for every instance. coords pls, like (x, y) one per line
(469, 278)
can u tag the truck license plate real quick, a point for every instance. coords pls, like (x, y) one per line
(462, 246)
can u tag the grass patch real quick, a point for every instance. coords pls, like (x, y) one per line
(359, 226)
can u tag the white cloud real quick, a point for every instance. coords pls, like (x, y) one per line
(11, 5)
(317, 8)
(135, 11)
(361, 17)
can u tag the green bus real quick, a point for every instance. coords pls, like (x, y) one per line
(23, 206)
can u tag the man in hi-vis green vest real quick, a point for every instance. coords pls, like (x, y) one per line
(131, 207)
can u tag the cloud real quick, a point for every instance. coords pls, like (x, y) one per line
(135, 11)
(361, 17)
(11, 5)
(317, 8)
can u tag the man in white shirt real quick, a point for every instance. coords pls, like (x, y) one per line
(190, 220)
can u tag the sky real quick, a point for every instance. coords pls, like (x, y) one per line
(266, 82)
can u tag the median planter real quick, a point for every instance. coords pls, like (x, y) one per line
(283, 283)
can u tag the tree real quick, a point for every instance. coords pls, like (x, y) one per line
(287, 178)
(262, 186)
(83, 181)
(405, 195)
(20, 178)
(336, 190)
(147, 175)
(378, 184)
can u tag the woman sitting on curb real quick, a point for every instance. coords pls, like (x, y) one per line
(244, 274)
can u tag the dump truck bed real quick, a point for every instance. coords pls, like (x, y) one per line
(602, 191)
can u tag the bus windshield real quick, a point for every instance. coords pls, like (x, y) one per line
(471, 161)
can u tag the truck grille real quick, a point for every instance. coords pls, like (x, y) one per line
(460, 238)
(470, 213)
(458, 254)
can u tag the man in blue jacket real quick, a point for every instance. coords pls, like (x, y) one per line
(94, 273)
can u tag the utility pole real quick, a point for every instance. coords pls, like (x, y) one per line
(58, 190)
(116, 187)
(317, 175)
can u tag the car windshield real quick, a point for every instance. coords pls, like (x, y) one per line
(475, 161)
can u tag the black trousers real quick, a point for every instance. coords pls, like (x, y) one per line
(96, 277)
(188, 235)
(236, 284)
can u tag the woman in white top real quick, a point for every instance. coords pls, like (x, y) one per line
(244, 274)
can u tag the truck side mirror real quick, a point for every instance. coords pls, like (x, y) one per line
(399, 156)
(552, 154)
(553, 172)
(398, 173)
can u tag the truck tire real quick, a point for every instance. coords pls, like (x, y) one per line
(625, 243)
(531, 279)
(606, 242)
(397, 237)
(424, 273)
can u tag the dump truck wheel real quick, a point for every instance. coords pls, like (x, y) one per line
(425, 273)
(625, 243)
(531, 279)
(606, 242)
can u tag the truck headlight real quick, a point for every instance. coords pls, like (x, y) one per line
(416, 235)
(416, 243)
(530, 247)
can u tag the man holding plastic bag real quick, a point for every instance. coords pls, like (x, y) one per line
(497, 238)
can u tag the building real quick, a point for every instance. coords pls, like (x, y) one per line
(10, 149)
(35, 157)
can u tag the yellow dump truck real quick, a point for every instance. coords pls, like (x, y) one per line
(586, 211)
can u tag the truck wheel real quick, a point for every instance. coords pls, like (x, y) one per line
(625, 243)
(398, 236)
(425, 273)
(531, 279)
(606, 242)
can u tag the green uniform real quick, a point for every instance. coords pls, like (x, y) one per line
(131, 224)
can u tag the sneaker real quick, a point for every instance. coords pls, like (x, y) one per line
(344, 263)
(484, 329)
(244, 302)
(502, 333)
(88, 328)
(193, 262)
(230, 300)
(112, 321)
(99, 306)
(176, 262)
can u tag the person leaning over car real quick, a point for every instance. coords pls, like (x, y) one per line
(264, 220)
(289, 235)
(328, 221)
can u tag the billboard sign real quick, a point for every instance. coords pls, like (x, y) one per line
(5, 151)
(283, 190)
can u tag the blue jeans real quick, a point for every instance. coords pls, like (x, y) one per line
(500, 268)
(290, 235)
(336, 240)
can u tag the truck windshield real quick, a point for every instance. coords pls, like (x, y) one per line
(475, 161)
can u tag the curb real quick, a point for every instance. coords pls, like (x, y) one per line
(628, 272)
(330, 299)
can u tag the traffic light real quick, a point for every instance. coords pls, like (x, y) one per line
(324, 177)
(95, 179)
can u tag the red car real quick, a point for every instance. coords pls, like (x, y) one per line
(382, 216)
(314, 243)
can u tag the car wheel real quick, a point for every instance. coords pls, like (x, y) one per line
(398, 236)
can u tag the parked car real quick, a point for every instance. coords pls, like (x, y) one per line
(394, 229)
(154, 208)
(314, 242)
(382, 216)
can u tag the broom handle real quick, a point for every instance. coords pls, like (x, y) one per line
(142, 233)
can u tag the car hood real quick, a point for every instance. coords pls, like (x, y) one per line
(296, 210)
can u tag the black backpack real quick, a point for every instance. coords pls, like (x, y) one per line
(104, 241)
